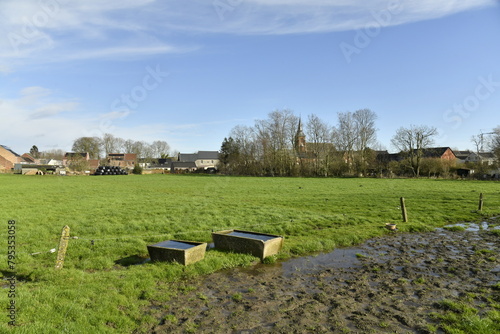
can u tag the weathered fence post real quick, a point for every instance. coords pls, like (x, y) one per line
(480, 208)
(403, 210)
(63, 245)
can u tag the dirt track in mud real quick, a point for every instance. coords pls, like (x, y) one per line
(389, 284)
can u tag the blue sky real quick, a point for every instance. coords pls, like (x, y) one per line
(187, 72)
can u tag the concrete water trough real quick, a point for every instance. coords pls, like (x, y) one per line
(260, 245)
(183, 252)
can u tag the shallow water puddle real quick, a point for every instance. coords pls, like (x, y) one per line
(473, 227)
(394, 281)
(339, 258)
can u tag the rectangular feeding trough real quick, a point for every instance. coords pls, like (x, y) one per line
(183, 252)
(260, 245)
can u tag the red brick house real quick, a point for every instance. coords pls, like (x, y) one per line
(29, 158)
(9, 158)
(444, 153)
(124, 160)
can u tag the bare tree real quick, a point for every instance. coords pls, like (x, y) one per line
(128, 146)
(160, 149)
(364, 120)
(275, 137)
(57, 154)
(147, 151)
(495, 142)
(245, 151)
(477, 141)
(345, 136)
(142, 149)
(413, 141)
(92, 145)
(319, 136)
(111, 144)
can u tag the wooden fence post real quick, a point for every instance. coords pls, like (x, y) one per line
(403, 210)
(63, 246)
(480, 208)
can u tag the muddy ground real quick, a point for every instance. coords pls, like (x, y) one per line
(389, 284)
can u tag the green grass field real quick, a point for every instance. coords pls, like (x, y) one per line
(115, 217)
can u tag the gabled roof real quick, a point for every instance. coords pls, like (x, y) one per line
(462, 154)
(28, 158)
(385, 156)
(8, 149)
(208, 155)
(200, 155)
(187, 157)
(161, 163)
(485, 155)
(435, 152)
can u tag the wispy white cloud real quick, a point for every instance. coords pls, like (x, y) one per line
(63, 30)
(126, 51)
(43, 31)
(52, 109)
(305, 16)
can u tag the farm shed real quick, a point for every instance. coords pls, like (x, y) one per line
(33, 168)
(464, 172)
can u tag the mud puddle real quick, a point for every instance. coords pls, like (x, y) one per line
(389, 284)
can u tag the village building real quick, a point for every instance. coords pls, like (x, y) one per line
(485, 158)
(444, 153)
(307, 151)
(462, 155)
(8, 158)
(183, 166)
(124, 160)
(162, 163)
(30, 159)
(205, 160)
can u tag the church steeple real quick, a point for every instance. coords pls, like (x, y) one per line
(300, 139)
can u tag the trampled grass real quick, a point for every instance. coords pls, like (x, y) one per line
(116, 217)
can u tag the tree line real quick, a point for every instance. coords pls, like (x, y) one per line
(276, 147)
(273, 145)
(101, 147)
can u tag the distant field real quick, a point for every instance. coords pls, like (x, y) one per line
(98, 291)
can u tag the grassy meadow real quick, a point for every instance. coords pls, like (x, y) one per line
(100, 289)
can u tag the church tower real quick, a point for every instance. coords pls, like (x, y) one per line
(300, 139)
